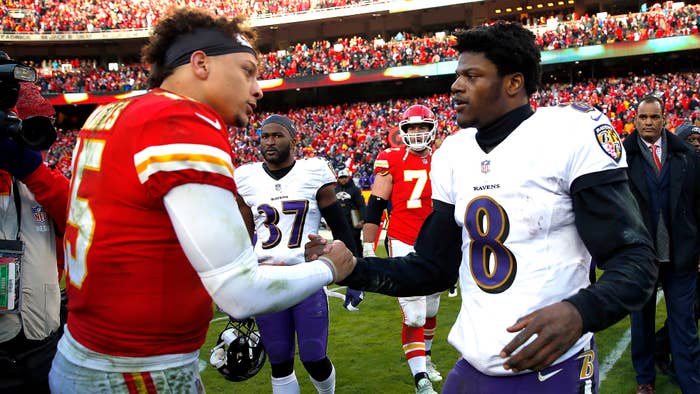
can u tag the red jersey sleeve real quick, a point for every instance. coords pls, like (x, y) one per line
(184, 143)
(382, 164)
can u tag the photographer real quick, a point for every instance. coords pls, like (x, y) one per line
(33, 200)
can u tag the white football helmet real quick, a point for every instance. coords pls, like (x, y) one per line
(417, 115)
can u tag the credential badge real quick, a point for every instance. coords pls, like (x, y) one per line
(609, 141)
(486, 166)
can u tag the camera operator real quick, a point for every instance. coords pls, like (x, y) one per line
(33, 201)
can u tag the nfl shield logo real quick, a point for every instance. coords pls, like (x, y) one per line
(40, 216)
(278, 187)
(486, 166)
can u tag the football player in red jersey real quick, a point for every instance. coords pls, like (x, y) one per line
(402, 178)
(154, 233)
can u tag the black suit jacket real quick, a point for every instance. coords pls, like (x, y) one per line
(684, 199)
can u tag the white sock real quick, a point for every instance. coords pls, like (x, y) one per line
(285, 385)
(417, 364)
(328, 385)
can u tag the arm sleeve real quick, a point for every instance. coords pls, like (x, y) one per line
(340, 228)
(50, 189)
(432, 268)
(359, 201)
(212, 234)
(610, 224)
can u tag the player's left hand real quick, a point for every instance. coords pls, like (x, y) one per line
(557, 326)
(352, 299)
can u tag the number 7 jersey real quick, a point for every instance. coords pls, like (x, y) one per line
(410, 192)
(285, 211)
(521, 250)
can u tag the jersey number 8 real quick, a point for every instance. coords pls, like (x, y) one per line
(487, 224)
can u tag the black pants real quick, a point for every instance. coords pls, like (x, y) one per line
(25, 364)
(662, 343)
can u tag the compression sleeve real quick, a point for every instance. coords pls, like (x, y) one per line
(611, 227)
(340, 228)
(432, 268)
(375, 208)
(212, 234)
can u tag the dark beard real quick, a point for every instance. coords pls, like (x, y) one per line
(282, 156)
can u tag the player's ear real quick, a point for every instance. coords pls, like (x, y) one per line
(513, 83)
(200, 64)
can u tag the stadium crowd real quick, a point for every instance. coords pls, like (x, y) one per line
(359, 53)
(320, 57)
(45, 16)
(350, 135)
(566, 32)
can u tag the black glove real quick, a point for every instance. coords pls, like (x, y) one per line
(19, 161)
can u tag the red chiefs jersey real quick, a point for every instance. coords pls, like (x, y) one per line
(132, 290)
(410, 194)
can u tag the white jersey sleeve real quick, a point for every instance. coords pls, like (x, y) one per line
(212, 235)
(441, 171)
(319, 170)
(592, 144)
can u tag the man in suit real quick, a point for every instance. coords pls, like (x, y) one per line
(664, 176)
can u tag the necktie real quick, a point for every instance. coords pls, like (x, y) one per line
(655, 156)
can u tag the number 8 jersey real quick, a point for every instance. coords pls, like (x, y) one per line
(285, 210)
(520, 247)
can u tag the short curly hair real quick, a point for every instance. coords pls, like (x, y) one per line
(183, 21)
(509, 46)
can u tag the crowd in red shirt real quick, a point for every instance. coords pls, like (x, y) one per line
(572, 31)
(42, 16)
(358, 53)
(351, 135)
(322, 57)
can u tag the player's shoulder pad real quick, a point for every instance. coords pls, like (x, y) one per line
(585, 124)
(169, 105)
(317, 167)
(456, 141)
(245, 171)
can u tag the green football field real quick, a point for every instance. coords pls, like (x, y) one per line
(365, 347)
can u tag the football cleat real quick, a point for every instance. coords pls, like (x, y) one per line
(433, 374)
(425, 387)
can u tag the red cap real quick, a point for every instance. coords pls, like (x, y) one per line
(31, 102)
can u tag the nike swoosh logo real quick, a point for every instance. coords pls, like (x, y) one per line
(542, 378)
(214, 122)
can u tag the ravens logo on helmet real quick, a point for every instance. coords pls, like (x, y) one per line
(239, 354)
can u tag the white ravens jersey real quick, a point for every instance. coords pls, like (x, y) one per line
(285, 210)
(520, 247)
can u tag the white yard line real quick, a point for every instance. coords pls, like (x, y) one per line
(620, 347)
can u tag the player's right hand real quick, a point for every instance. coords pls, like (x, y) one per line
(336, 255)
(368, 249)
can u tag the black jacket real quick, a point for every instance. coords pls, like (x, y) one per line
(684, 198)
(350, 197)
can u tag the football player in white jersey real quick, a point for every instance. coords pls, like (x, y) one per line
(285, 199)
(521, 202)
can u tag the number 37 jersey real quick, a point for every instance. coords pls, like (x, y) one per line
(285, 211)
(521, 250)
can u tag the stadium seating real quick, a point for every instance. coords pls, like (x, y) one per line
(359, 53)
(350, 135)
(24, 16)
